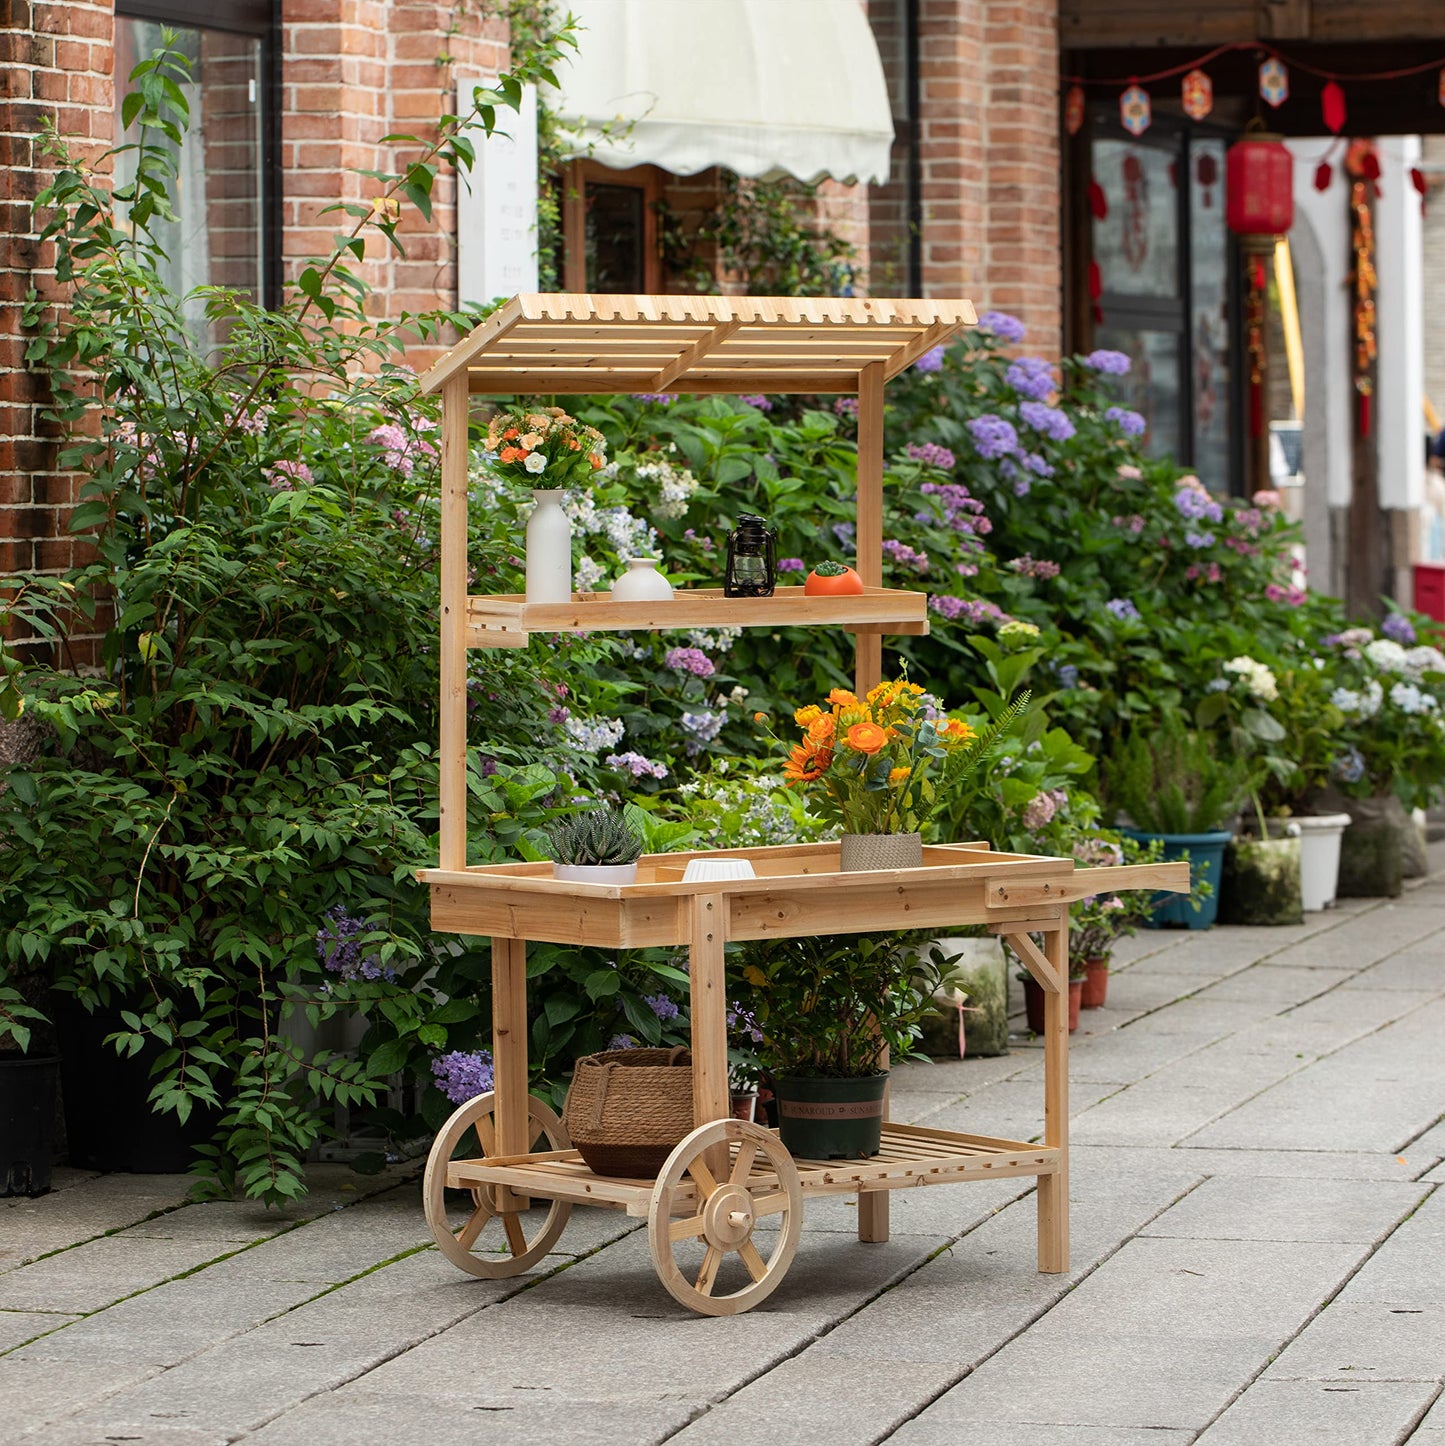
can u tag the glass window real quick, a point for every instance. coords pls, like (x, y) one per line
(1210, 248)
(1137, 242)
(1152, 387)
(218, 237)
(616, 238)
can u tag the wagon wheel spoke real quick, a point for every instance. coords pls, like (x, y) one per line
(707, 1276)
(516, 1238)
(743, 1165)
(757, 1266)
(688, 1229)
(486, 1135)
(476, 1223)
(699, 1171)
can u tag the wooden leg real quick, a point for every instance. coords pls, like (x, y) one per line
(509, 1055)
(1054, 1189)
(710, 1099)
(873, 1204)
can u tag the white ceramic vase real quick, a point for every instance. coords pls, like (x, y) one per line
(642, 582)
(1319, 857)
(549, 549)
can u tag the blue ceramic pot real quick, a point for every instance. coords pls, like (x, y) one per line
(1205, 852)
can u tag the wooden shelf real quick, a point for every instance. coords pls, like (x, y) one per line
(507, 620)
(910, 1155)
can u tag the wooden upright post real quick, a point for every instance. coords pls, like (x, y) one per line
(711, 1099)
(1053, 1201)
(509, 1057)
(452, 753)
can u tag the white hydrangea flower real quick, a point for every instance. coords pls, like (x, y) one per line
(1386, 655)
(1410, 699)
(1424, 659)
(1259, 679)
(587, 574)
(592, 735)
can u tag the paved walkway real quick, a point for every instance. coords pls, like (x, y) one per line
(1258, 1257)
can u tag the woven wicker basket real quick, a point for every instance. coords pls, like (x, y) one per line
(628, 1108)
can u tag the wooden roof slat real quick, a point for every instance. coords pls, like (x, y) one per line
(572, 342)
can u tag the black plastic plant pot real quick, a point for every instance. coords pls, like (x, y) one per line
(27, 1122)
(109, 1121)
(831, 1119)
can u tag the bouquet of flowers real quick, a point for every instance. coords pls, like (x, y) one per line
(879, 764)
(544, 448)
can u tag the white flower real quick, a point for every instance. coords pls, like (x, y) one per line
(535, 463)
(1386, 655)
(1424, 660)
(587, 574)
(531, 440)
(1409, 699)
(1258, 678)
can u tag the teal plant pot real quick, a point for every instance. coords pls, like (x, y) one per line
(1205, 853)
(831, 1119)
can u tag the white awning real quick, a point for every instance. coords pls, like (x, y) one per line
(764, 87)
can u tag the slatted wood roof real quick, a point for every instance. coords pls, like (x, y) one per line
(579, 344)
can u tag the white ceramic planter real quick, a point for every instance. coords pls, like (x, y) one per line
(642, 582)
(549, 549)
(700, 870)
(596, 873)
(1319, 852)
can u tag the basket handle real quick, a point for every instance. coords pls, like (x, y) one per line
(675, 1057)
(599, 1100)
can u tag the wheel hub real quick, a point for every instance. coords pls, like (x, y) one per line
(728, 1217)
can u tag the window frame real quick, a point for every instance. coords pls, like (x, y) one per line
(260, 20)
(575, 178)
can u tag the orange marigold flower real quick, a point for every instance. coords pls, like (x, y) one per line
(955, 730)
(806, 763)
(897, 777)
(805, 716)
(867, 737)
(842, 698)
(511, 434)
(760, 717)
(821, 729)
(511, 454)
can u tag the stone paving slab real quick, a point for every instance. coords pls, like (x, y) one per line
(1252, 1164)
(1317, 1411)
(19, 1326)
(1367, 1342)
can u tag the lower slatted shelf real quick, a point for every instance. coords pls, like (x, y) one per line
(910, 1155)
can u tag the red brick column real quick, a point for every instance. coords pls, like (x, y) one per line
(56, 61)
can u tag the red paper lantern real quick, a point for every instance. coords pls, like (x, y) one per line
(1259, 186)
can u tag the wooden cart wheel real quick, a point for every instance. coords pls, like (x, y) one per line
(722, 1217)
(459, 1241)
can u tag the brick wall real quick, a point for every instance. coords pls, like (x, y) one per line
(55, 58)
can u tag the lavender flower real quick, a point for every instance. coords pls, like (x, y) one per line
(763, 404)
(1108, 363)
(704, 725)
(1122, 608)
(1037, 465)
(1048, 420)
(930, 361)
(661, 1006)
(654, 397)
(637, 764)
(689, 660)
(791, 564)
(1005, 327)
(462, 1077)
(592, 735)
(1039, 811)
(742, 1022)
(1130, 423)
(932, 454)
(905, 556)
(845, 532)
(1199, 539)
(1399, 629)
(622, 1041)
(992, 436)
(1068, 675)
(970, 610)
(1194, 504)
(1030, 376)
(1029, 566)
(846, 406)
(1350, 766)
(339, 946)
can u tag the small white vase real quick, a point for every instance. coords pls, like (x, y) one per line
(1319, 857)
(642, 582)
(549, 549)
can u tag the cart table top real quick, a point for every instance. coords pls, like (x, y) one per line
(797, 890)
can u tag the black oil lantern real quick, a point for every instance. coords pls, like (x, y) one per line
(751, 571)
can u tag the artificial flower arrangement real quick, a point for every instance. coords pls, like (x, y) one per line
(544, 448)
(879, 764)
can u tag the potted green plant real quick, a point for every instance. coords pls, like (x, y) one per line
(1096, 924)
(600, 846)
(831, 1010)
(1171, 785)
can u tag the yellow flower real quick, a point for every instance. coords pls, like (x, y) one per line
(885, 695)
(805, 716)
(820, 730)
(842, 698)
(955, 731)
(898, 777)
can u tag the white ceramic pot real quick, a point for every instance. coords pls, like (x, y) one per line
(699, 870)
(642, 582)
(549, 549)
(1319, 854)
(595, 873)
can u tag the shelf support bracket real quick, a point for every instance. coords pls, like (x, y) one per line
(683, 364)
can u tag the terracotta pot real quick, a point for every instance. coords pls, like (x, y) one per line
(1096, 983)
(1034, 1004)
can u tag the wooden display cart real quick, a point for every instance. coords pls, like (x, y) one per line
(729, 1187)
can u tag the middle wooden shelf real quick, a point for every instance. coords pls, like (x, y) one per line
(506, 620)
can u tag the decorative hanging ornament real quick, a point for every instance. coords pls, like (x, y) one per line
(1098, 201)
(1074, 110)
(1198, 95)
(1259, 186)
(1135, 112)
(1417, 179)
(1324, 174)
(1332, 107)
(1206, 172)
(1273, 82)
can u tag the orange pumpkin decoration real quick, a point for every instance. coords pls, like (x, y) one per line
(832, 579)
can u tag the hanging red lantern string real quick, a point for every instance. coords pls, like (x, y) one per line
(1332, 107)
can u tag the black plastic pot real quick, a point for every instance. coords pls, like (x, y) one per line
(27, 1122)
(831, 1119)
(109, 1121)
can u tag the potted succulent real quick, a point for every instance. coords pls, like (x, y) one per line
(599, 846)
(831, 1010)
(1172, 786)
